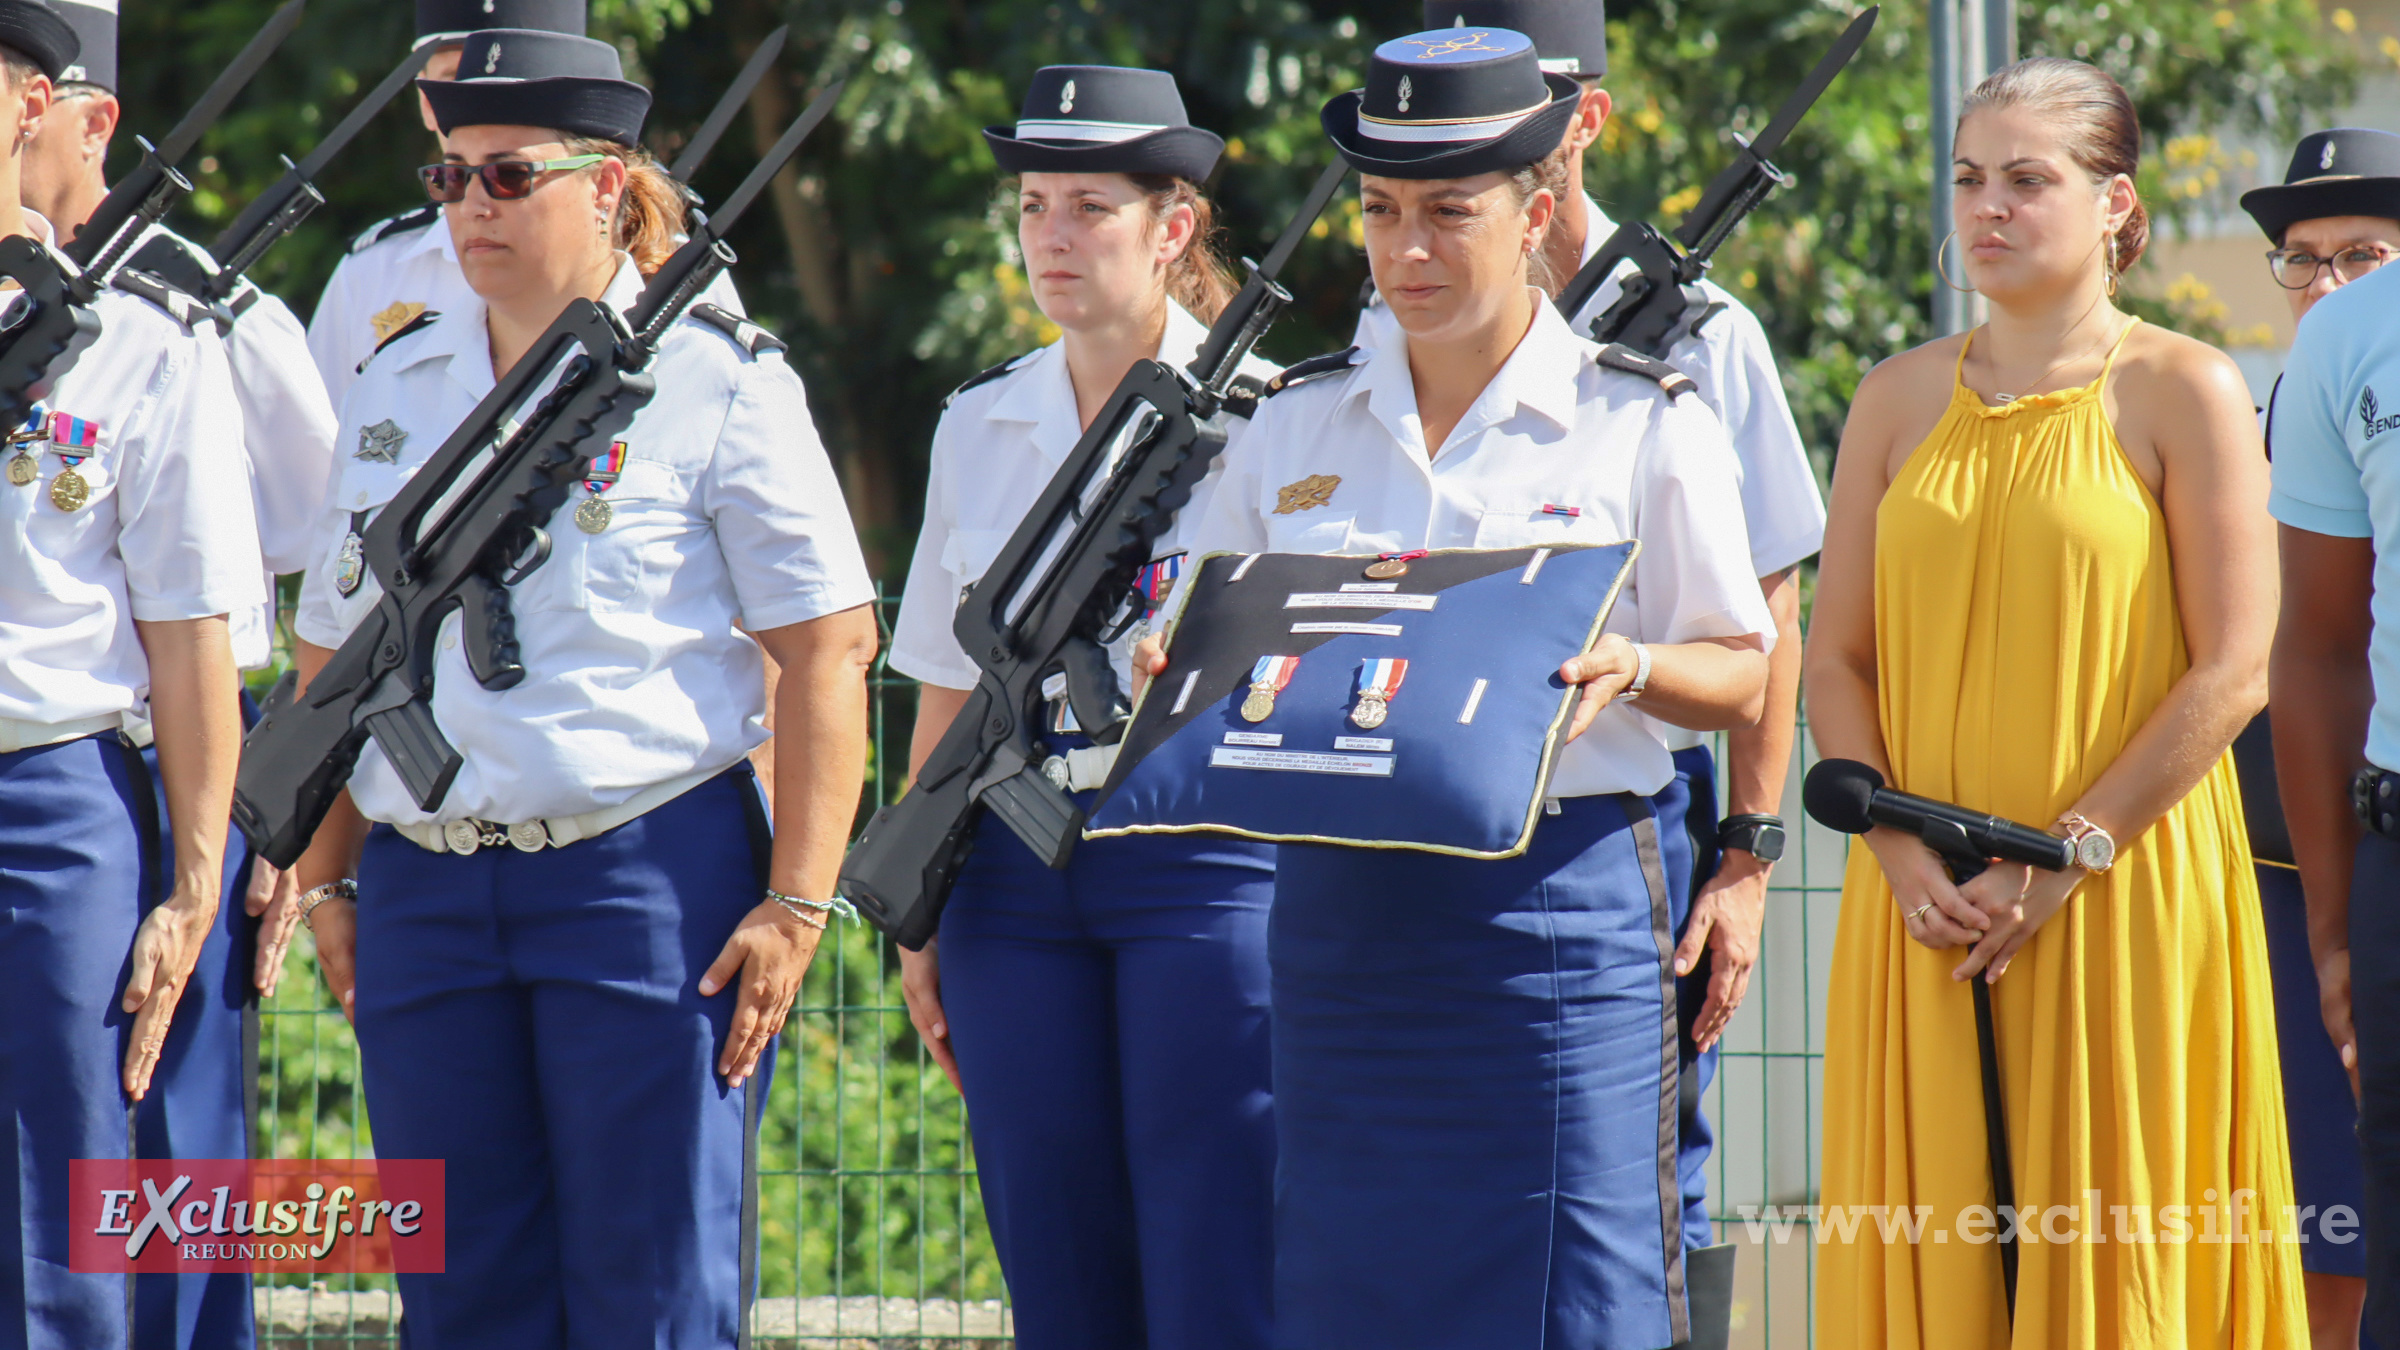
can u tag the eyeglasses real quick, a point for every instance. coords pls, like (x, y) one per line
(507, 180)
(2297, 269)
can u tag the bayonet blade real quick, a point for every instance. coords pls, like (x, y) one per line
(1310, 208)
(346, 131)
(722, 219)
(221, 94)
(721, 117)
(1813, 88)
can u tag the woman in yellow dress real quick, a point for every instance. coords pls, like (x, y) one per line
(2047, 592)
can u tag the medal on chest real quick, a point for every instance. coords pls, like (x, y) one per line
(23, 468)
(72, 439)
(1378, 684)
(1267, 679)
(593, 513)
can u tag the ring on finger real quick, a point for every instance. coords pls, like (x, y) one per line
(1919, 912)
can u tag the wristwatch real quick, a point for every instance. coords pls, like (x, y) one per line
(1640, 684)
(2095, 848)
(1761, 837)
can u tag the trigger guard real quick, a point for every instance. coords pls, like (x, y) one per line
(538, 554)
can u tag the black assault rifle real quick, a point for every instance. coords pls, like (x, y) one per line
(56, 311)
(1662, 303)
(490, 534)
(1050, 603)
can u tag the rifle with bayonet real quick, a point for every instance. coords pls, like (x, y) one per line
(491, 533)
(1662, 303)
(53, 322)
(1058, 593)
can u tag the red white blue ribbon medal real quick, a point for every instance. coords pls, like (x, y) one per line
(72, 439)
(1378, 684)
(594, 513)
(23, 468)
(1267, 679)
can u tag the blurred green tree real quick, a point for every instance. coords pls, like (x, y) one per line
(889, 258)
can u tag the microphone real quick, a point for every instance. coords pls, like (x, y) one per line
(1845, 795)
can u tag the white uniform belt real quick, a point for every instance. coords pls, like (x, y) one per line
(16, 735)
(532, 836)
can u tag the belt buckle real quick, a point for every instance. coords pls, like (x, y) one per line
(463, 836)
(2375, 799)
(531, 837)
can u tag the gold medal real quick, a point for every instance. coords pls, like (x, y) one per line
(23, 469)
(593, 514)
(1370, 712)
(68, 491)
(1267, 679)
(1260, 705)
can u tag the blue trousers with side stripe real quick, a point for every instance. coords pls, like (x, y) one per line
(71, 868)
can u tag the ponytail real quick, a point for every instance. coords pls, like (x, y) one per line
(649, 223)
(1199, 280)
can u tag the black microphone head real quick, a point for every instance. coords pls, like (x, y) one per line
(1838, 794)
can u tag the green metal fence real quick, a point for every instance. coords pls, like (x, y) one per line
(871, 1221)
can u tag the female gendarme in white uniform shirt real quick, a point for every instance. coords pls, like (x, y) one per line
(1107, 1022)
(542, 964)
(1475, 1062)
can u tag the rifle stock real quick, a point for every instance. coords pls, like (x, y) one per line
(1020, 627)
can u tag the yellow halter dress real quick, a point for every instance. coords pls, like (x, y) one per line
(2025, 627)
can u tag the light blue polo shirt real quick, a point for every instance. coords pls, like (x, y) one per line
(2335, 431)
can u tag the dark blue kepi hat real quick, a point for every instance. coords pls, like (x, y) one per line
(95, 25)
(1104, 119)
(446, 21)
(2349, 171)
(40, 34)
(1570, 35)
(519, 77)
(1452, 103)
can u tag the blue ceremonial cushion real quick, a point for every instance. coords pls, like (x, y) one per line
(1461, 759)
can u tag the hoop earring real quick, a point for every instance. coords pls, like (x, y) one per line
(2113, 273)
(1943, 272)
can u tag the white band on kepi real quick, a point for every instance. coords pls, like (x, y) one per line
(1106, 133)
(1565, 65)
(1462, 130)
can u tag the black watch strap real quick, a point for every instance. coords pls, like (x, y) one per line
(1761, 836)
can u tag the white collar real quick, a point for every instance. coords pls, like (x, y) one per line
(1540, 375)
(1046, 394)
(463, 338)
(434, 238)
(1597, 227)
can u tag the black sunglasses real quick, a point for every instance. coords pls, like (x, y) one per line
(507, 180)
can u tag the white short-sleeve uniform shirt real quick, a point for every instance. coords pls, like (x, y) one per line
(164, 533)
(395, 270)
(287, 442)
(1552, 429)
(726, 512)
(997, 446)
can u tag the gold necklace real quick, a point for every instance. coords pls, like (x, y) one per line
(2005, 399)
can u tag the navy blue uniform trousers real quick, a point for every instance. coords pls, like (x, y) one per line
(2375, 1013)
(71, 871)
(2321, 1113)
(1477, 1086)
(534, 1020)
(1697, 769)
(1111, 1027)
(195, 1107)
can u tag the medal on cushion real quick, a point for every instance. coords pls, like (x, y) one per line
(72, 439)
(1267, 679)
(593, 513)
(1378, 684)
(1389, 565)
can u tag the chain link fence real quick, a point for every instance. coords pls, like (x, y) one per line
(870, 1217)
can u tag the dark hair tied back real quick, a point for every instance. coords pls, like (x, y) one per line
(2092, 117)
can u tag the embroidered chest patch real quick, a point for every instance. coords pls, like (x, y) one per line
(1306, 495)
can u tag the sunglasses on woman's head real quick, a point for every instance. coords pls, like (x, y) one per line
(507, 180)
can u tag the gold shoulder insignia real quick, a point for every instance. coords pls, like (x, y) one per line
(394, 317)
(1307, 494)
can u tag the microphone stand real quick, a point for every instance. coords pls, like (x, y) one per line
(1964, 862)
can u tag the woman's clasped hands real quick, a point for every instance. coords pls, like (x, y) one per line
(1993, 914)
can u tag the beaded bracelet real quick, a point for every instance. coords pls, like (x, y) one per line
(815, 913)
